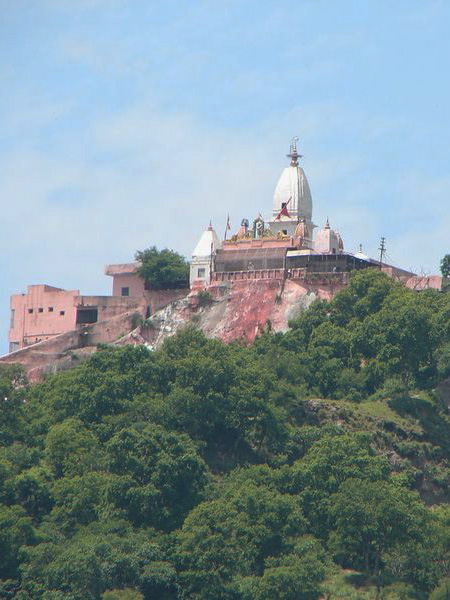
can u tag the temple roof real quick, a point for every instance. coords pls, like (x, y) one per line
(292, 190)
(208, 243)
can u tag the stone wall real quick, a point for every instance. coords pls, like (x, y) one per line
(157, 299)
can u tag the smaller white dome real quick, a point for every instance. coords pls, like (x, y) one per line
(360, 254)
(207, 244)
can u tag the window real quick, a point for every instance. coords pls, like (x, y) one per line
(62, 313)
(285, 231)
(50, 309)
(125, 291)
(11, 324)
(87, 315)
(30, 311)
(41, 310)
(201, 272)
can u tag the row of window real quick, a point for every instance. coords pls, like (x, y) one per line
(41, 310)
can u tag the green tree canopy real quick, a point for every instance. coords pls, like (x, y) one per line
(235, 534)
(162, 269)
(372, 518)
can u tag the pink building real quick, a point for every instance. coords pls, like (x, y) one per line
(126, 281)
(45, 312)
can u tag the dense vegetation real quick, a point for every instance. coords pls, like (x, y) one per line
(313, 464)
(162, 269)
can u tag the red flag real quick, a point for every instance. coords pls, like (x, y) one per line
(284, 211)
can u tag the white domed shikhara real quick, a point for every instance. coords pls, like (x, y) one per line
(202, 257)
(292, 198)
(208, 240)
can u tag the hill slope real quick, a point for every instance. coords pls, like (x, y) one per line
(310, 464)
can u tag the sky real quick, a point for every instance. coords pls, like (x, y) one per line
(131, 123)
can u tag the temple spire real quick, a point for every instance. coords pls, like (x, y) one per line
(293, 154)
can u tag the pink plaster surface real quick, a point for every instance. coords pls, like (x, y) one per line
(129, 280)
(32, 327)
(125, 276)
(29, 328)
(121, 269)
(423, 282)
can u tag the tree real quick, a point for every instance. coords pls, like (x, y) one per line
(330, 462)
(99, 557)
(159, 580)
(162, 269)
(81, 499)
(398, 336)
(71, 449)
(15, 529)
(160, 475)
(445, 266)
(33, 491)
(234, 535)
(296, 578)
(371, 519)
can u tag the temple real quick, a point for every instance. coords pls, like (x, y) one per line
(285, 245)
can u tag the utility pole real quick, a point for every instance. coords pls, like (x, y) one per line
(382, 250)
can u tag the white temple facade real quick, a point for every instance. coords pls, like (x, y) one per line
(328, 241)
(202, 257)
(261, 245)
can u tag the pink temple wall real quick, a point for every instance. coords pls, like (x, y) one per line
(42, 312)
(47, 303)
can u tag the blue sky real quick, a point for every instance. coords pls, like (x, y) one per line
(131, 123)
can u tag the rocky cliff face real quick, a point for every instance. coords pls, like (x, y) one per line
(236, 310)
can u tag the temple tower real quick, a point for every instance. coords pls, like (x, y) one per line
(292, 200)
(202, 256)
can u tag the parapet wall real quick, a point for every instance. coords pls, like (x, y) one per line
(157, 299)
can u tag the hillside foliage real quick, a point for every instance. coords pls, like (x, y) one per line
(312, 464)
